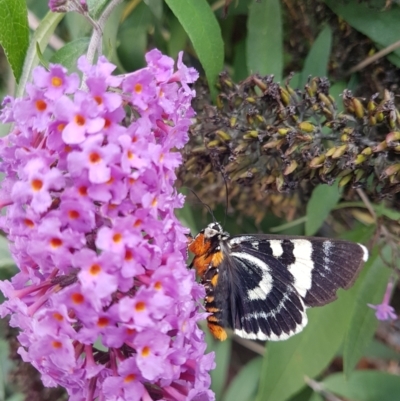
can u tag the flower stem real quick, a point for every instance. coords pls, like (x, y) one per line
(95, 44)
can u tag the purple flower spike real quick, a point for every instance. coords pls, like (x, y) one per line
(90, 214)
(384, 311)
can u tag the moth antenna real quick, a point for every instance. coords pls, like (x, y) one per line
(226, 199)
(203, 203)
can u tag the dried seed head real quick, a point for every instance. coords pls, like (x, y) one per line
(267, 139)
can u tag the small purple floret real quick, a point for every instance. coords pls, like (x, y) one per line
(384, 311)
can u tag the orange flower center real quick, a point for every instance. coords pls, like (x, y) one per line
(58, 316)
(131, 377)
(98, 100)
(117, 237)
(73, 214)
(60, 127)
(29, 223)
(37, 184)
(140, 306)
(41, 105)
(94, 157)
(80, 120)
(77, 298)
(103, 322)
(146, 351)
(56, 81)
(82, 191)
(107, 123)
(56, 242)
(128, 255)
(95, 269)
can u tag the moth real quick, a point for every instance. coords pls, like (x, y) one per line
(261, 285)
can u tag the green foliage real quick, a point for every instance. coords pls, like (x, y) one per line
(69, 54)
(380, 26)
(364, 385)
(243, 387)
(14, 33)
(323, 199)
(40, 38)
(363, 322)
(264, 40)
(203, 30)
(316, 62)
(219, 375)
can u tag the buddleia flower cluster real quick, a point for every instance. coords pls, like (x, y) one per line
(266, 138)
(105, 303)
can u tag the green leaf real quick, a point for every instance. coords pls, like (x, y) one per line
(135, 26)
(78, 26)
(381, 26)
(69, 54)
(185, 216)
(4, 128)
(243, 387)
(382, 210)
(378, 350)
(203, 30)
(239, 62)
(5, 255)
(14, 33)
(316, 397)
(303, 395)
(156, 7)
(42, 60)
(336, 90)
(308, 353)
(41, 36)
(17, 397)
(5, 366)
(178, 38)
(363, 322)
(222, 351)
(110, 32)
(316, 63)
(96, 7)
(264, 45)
(364, 385)
(323, 200)
(360, 233)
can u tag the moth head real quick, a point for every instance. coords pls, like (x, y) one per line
(213, 230)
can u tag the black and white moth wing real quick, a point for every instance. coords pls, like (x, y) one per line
(314, 267)
(322, 266)
(264, 304)
(319, 266)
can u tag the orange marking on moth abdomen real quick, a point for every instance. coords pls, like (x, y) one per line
(214, 280)
(217, 331)
(217, 258)
(201, 264)
(202, 260)
(200, 247)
